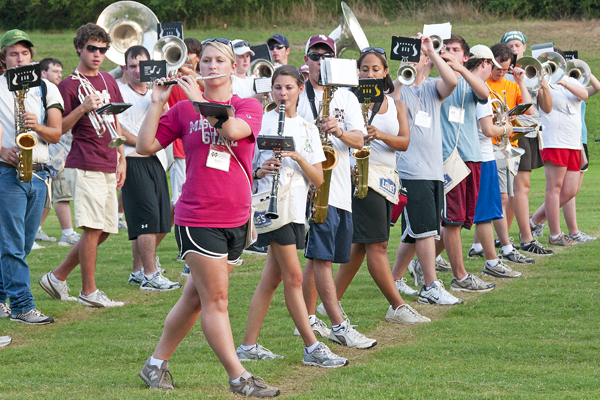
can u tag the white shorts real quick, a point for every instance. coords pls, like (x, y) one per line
(177, 173)
(94, 199)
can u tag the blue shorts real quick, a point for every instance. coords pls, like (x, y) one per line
(331, 240)
(489, 202)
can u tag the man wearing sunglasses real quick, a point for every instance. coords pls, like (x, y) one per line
(21, 203)
(279, 47)
(243, 86)
(93, 170)
(330, 241)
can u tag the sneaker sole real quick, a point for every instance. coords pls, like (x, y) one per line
(313, 364)
(50, 290)
(394, 321)
(64, 244)
(471, 290)
(256, 253)
(537, 254)
(517, 262)
(152, 289)
(354, 347)
(31, 323)
(96, 305)
(425, 300)
(486, 273)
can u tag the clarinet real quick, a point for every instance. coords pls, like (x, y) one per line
(272, 210)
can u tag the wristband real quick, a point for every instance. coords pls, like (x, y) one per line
(504, 132)
(220, 122)
(255, 174)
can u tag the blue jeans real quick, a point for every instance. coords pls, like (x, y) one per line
(21, 206)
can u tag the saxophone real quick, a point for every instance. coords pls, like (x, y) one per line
(24, 138)
(319, 197)
(360, 172)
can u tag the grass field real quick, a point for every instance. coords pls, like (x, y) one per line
(531, 338)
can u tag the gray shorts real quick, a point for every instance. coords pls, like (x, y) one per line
(505, 177)
(60, 188)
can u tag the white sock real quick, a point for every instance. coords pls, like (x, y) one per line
(156, 362)
(39, 229)
(312, 319)
(438, 258)
(463, 279)
(312, 347)
(120, 215)
(477, 247)
(338, 327)
(238, 379)
(149, 277)
(493, 263)
(248, 348)
(55, 279)
(67, 232)
(507, 249)
(554, 237)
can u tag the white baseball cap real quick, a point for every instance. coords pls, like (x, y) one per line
(483, 52)
(241, 47)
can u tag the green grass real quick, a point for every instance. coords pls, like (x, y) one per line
(531, 338)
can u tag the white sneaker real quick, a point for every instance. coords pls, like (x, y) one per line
(323, 357)
(321, 310)
(122, 224)
(404, 288)
(405, 315)
(414, 269)
(42, 237)
(69, 240)
(58, 291)
(319, 328)
(348, 336)
(36, 246)
(5, 341)
(437, 294)
(136, 278)
(159, 283)
(4, 310)
(98, 299)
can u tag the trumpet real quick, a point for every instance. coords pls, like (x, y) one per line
(533, 72)
(101, 123)
(272, 210)
(580, 71)
(360, 172)
(407, 74)
(438, 43)
(502, 146)
(554, 66)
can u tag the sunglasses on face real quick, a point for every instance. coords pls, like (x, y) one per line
(93, 49)
(218, 40)
(276, 46)
(241, 44)
(317, 56)
(373, 50)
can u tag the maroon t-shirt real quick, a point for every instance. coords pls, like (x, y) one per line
(90, 152)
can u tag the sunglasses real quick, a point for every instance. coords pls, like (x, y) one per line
(317, 56)
(241, 44)
(373, 50)
(218, 40)
(276, 46)
(93, 49)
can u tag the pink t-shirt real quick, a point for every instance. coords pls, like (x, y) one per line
(90, 152)
(212, 197)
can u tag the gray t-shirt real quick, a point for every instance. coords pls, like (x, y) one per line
(423, 158)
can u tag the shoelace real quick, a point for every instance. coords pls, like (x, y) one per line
(166, 371)
(355, 333)
(258, 382)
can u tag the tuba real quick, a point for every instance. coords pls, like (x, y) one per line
(261, 68)
(25, 139)
(319, 197)
(348, 35)
(360, 172)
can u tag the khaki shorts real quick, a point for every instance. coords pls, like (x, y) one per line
(95, 199)
(60, 188)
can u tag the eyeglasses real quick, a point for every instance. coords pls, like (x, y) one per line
(504, 71)
(218, 40)
(373, 50)
(277, 46)
(316, 56)
(241, 44)
(93, 49)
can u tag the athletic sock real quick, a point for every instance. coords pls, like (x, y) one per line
(338, 327)
(312, 347)
(312, 319)
(248, 348)
(531, 224)
(477, 247)
(438, 258)
(493, 263)
(156, 362)
(149, 277)
(120, 215)
(463, 279)
(554, 237)
(507, 249)
(54, 279)
(39, 229)
(237, 380)
(67, 232)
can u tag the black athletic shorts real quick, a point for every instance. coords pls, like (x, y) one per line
(531, 159)
(291, 233)
(146, 197)
(422, 215)
(371, 218)
(212, 242)
(587, 156)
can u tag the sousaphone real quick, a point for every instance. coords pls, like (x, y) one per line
(128, 23)
(349, 35)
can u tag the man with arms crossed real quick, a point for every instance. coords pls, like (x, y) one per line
(21, 203)
(94, 171)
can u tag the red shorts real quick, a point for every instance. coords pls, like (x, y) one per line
(462, 199)
(564, 157)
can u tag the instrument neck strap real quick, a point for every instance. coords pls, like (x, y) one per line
(310, 92)
(374, 111)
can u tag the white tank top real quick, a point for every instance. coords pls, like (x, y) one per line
(381, 153)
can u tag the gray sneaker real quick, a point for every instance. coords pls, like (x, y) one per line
(562, 240)
(159, 283)
(257, 353)
(58, 291)
(534, 247)
(537, 230)
(69, 240)
(414, 269)
(321, 310)
(41, 236)
(516, 257)
(319, 328)
(32, 317)
(323, 357)
(471, 283)
(404, 288)
(4, 310)
(475, 254)
(442, 265)
(122, 224)
(253, 386)
(136, 278)
(500, 270)
(582, 237)
(156, 378)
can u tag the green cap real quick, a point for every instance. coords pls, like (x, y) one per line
(514, 35)
(14, 36)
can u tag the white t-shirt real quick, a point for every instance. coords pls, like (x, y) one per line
(306, 142)
(487, 149)
(381, 153)
(562, 127)
(346, 109)
(243, 87)
(132, 118)
(34, 104)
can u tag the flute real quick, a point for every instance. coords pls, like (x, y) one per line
(199, 78)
